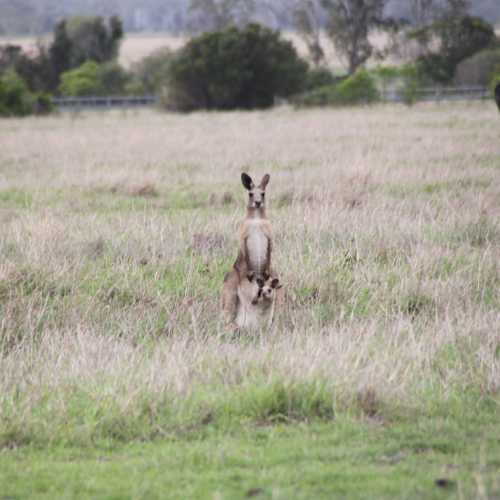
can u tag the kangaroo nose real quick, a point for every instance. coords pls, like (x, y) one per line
(258, 204)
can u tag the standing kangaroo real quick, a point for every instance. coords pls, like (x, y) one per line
(254, 256)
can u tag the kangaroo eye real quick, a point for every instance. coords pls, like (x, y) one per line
(263, 194)
(251, 195)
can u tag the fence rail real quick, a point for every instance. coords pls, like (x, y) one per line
(424, 94)
(437, 94)
(95, 102)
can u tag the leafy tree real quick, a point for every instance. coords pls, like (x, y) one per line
(216, 15)
(15, 97)
(349, 25)
(319, 77)
(458, 38)
(235, 68)
(91, 39)
(94, 79)
(60, 51)
(82, 81)
(422, 12)
(307, 21)
(34, 71)
(150, 75)
(479, 68)
(359, 88)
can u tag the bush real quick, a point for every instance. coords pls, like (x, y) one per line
(150, 75)
(43, 104)
(91, 39)
(322, 96)
(495, 80)
(235, 68)
(82, 81)
(401, 80)
(94, 79)
(478, 69)
(437, 67)
(359, 88)
(15, 97)
(459, 38)
(113, 78)
(319, 77)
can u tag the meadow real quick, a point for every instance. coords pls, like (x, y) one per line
(381, 375)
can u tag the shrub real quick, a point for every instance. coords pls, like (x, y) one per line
(359, 88)
(478, 69)
(94, 79)
(319, 77)
(15, 97)
(459, 38)
(495, 80)
(81, 81)
(319, 97)
(113, 78)
(150, 75)
(235, 68)
(91, 39)
(401, 80)
(412, 77)
(43, 104)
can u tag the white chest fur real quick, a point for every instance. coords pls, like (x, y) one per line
(257, 246)
(254, 316)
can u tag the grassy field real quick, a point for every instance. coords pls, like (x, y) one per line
(381, 376)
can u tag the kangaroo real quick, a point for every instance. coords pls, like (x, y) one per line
(254, 255)
(255, 233)
(256, 302)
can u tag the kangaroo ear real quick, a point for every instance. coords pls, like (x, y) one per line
(247, 181)
(276, 283)
(265, 181)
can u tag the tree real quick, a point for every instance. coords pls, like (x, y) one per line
(235, 68)
(307, 21)
(457, 36)
(216, 15)
(349, 25)
(60, 53)
(422, 12)
(82, 81)
(150, 75)
(94, 79)
(91, 39)
(15, 97)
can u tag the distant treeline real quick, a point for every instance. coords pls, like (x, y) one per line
(41, 16)
(248, 66)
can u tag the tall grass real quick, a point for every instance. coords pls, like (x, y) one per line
(116, 231)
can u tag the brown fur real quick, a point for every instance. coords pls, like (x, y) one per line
(257, 299)
(242, 268)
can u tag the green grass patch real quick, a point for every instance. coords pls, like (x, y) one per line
(15, 198)
(343, 458)
(456, 187)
